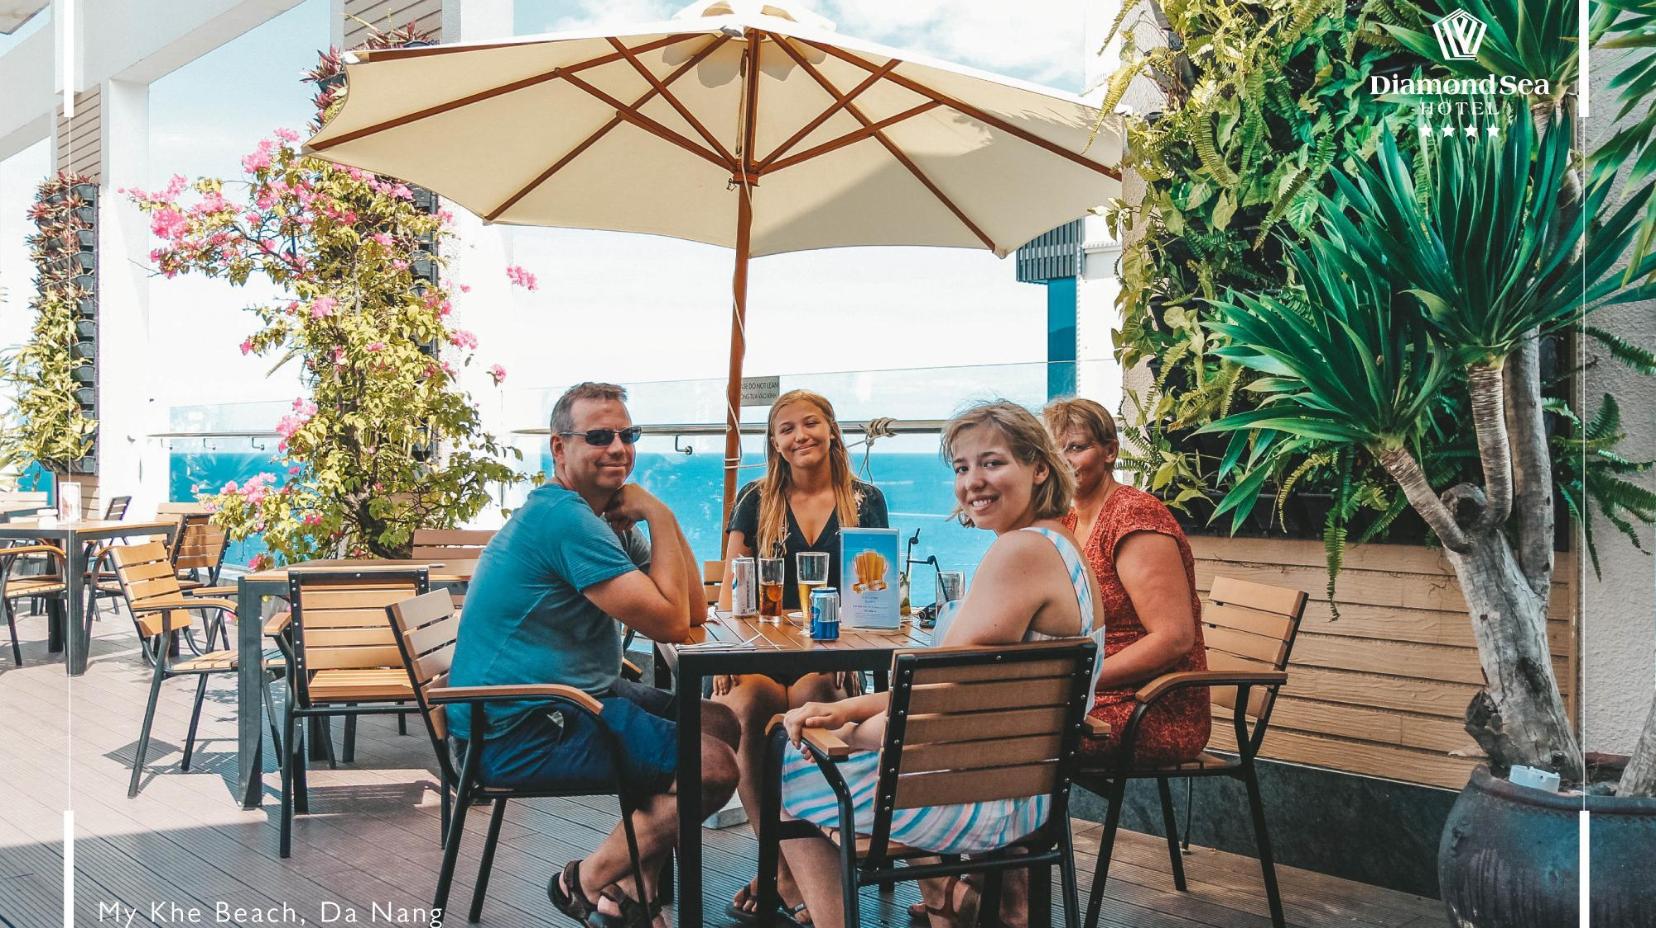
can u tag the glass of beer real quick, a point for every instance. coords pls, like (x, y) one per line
(812, 571)
(770, 588)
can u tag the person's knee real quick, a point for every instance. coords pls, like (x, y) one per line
(720, 772)
(720, 721)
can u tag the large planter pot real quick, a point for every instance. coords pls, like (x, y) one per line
(1510, 858)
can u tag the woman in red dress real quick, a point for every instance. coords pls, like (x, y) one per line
(1147, 577)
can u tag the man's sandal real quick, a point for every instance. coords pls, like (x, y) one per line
(572, 902)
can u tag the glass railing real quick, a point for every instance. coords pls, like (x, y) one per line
(680, 458)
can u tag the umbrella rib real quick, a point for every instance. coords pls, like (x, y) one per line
(825, 115)
(968, 110)
(492, 92)
(890, 146)
(558, 165)
(854, 136)
(672, 101)
(649, 125)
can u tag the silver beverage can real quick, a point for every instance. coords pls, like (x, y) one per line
(825, 620)
(744, 587)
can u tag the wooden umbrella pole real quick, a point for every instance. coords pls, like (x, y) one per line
(738, 348)
(743, 184)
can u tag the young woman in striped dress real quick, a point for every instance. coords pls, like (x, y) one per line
(1032, 584)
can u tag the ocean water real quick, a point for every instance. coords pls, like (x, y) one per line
(918, 487)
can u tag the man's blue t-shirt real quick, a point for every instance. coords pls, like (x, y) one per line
(525, 618)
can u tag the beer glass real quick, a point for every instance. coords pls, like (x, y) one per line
(770, 588)
(811, 571)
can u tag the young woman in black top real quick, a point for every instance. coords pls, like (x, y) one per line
(807, 493)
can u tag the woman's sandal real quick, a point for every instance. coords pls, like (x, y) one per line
(786, 915)
(963, 915)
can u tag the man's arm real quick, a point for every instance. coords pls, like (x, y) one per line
(695, 592)
(652, 600)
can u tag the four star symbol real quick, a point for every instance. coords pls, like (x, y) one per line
(1470, 132)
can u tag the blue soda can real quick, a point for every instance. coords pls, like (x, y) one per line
(825, 614)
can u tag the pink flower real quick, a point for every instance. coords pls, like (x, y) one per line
(402, 192)
(168, 223)
(257, 161)
(522, 278)
(382, 239)
(465, 288)
(313, 518)
(497, 373)
(399, 265)
(460, 338)
(293, 471)
(338, 356)
(175, 186)
(230, 488)
(287, 135)
(322, 307)
(376, 347)
(247, 346)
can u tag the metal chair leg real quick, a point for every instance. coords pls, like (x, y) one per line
(195, 719)
(1106, 845)
(487, 862)
(347, 752)
(451, 848)
(270, 714)
(1267, 865)
(11, 623)
(1170, 825)
(1066, 874)
(149, 715)
(293, 758)
(402, 724)
(770, 820)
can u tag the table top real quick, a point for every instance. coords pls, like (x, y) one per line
(85, 528)
(793, 635)
(447, 570)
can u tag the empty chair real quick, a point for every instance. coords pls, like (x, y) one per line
(344, 659)
(13, 589)
(451, 544)
(160, 610)
(1249, 629)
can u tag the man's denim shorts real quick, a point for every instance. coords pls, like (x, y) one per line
(558, 747)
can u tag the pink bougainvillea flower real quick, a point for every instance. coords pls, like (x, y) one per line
(498, 374)
(287, 135)
(168, 223)
(256, 161)
(522, 278)
(376, 347)
(460, 338)
(322, 307)
(247, 346)
(338, 355)
(381, 239)
(399, 265)
(230, 488)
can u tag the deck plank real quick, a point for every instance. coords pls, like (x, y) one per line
(372, 834)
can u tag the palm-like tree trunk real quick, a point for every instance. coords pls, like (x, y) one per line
(1640, 777)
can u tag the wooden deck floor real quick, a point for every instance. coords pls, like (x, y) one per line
(183, 845)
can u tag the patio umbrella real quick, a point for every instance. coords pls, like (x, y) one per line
(744, 124)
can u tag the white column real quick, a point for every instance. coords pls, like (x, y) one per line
(476, 20)
(129, 461)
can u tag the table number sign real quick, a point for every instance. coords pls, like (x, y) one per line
(868, 578)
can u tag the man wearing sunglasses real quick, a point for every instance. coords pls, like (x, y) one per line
(542, 607)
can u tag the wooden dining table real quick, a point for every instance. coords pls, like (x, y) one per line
(252, 590)
(73, 537)
(727, 645)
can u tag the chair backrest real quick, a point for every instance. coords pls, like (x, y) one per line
(1249, 626)
(712, 579)
(426, 628)
(980, 723)
(199, 544)
(146, 577)
(460, 543)
(117, 508)
(338, 619)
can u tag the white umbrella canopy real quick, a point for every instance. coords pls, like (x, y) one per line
(666, 129)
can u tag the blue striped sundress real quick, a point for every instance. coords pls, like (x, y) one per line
(954, 829)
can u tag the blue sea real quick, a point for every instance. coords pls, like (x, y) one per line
(919, 492)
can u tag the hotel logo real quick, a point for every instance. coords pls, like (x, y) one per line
(1459, 35)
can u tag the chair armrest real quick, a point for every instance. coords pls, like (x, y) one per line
(183, 602)
(53, 550)
(1169, 682)
(820, 740)
(631, 671)
(220, 591)
(277, 623)
(1096, 728)
(447, 694)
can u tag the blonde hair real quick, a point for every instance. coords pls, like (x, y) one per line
(1076, 413)
(778, 479)
(1029, 442)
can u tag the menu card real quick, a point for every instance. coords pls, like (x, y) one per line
(868, 578)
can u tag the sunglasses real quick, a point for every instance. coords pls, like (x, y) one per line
(601, 438)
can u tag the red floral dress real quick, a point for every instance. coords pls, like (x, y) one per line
(1177, 728)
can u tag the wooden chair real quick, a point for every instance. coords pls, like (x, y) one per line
(1249, 629)
(964, 725)
(712, 579)
(451, 544)
(47, 584)
(427, 629)
(160, 610)
(345, 659)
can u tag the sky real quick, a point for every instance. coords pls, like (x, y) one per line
(612, 306)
